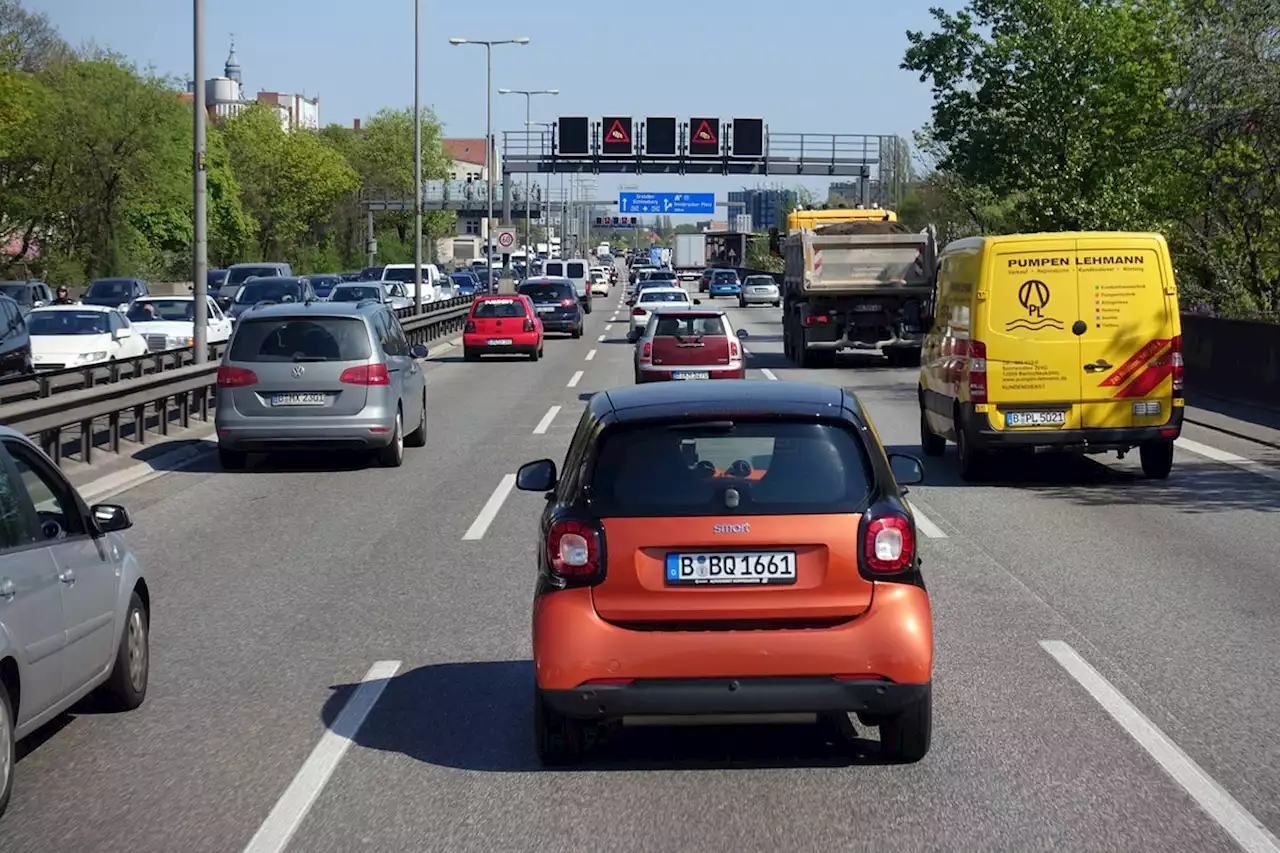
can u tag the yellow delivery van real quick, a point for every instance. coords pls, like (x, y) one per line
(1053, 343)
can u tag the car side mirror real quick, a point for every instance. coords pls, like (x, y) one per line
(537, 476)
(742, 333)
(111, 518)
(907, 470)
(419, 351)
(124, 332)
(697, 302)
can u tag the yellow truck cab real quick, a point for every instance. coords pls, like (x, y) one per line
(1053, 342)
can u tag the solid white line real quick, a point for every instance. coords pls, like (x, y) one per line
(608, 326)
(590, 355)
(925, 525)
(573, 380)
(1226, 458)
(600, 339)
(541, 428)
(490, 509)
(1243, 827)
(292, 807)
(768, 374)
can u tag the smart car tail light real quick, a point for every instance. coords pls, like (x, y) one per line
(575, 550)
(889, 544)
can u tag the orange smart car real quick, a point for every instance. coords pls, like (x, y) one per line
(722, 548)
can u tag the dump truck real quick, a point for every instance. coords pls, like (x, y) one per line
(864, 285)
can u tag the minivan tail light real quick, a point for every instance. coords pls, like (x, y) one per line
(889, 545)
(977, 352)
(1175, 358)
(470, 328)
(646, 352)
(236, 377)
(574, 549)
(366, 374)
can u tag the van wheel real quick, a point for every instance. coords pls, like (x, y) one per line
(1156, 458)
(906, 735)
(559, 740)
(126, 687)
(973, 462)
(931, 443)
(8, 747)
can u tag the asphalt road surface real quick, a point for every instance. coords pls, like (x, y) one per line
(1108, 659)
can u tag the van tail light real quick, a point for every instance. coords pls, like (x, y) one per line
(637, 312)
(470, 328)
(366, 374)
(575, 551)
(889, 544)
(646, 352)
(528, 324)
(1175, 358)
(236, 377)
(977, 352)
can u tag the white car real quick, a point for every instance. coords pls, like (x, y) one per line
(653, 299)
(65, 336)
(168, 322)
(599, 282)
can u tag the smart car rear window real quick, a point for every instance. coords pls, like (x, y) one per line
(741, 468)
(271, 339)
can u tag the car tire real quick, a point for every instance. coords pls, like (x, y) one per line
(905, 736)
(576, 333)
(392, 456)
(742, 303)
(469, 354)
(777, 304)
(418, 438)
(1156, 458)
(232, 460)
(8, 747)
(558, 740)
(126, 688)
(536, 354)
(931, 443)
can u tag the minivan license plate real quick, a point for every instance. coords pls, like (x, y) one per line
(296, 399)
(762, 568)
(1035, 419)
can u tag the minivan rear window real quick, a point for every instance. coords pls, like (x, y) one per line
(301, 339)
(741, 468)
(547, 292)
(498, 309)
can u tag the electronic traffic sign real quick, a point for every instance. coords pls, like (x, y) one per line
(704, 137)
(748, 137)
(573, 139)
(616, 141)
(660, 137)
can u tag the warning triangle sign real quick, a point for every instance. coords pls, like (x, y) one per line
(618, 133)
(704, 133)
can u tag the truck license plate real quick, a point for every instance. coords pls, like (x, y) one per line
(1035, 419)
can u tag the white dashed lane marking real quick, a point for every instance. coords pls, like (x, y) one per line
(575, 379)
(545, 423)
(590, 355)
(490, 509)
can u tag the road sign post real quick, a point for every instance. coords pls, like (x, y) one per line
(676, 204)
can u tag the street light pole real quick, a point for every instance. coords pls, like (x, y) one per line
(488, 138)
(200, 241)
(528, 179)
(417, 158)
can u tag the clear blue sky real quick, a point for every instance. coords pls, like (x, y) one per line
(823, 66)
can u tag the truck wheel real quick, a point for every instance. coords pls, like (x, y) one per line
(1156, 458)
(973, 462)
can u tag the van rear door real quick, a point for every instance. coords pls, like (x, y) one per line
(1129, 301)
(1033, 358)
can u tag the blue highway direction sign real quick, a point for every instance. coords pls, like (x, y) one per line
(674, 203)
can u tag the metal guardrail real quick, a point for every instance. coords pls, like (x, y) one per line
(111, 413)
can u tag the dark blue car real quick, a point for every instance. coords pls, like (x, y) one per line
(556, 301)
(465, 284)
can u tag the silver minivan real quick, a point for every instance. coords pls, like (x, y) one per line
(576, 270)
(75, 611)
(319, 376)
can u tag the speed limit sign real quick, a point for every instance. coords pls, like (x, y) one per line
(506, 239)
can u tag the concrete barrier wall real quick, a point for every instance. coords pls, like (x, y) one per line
(1235, 359)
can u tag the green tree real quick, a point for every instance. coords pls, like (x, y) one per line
(1058, 105)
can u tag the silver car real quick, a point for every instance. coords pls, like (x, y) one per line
(320, 376)
(75, 611)
(760, 290)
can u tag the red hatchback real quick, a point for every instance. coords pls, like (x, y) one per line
(502, 325)
(690, 343)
